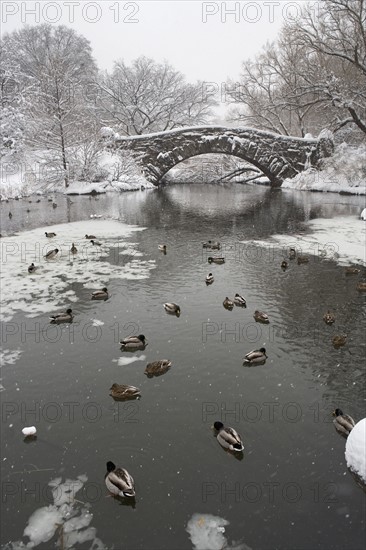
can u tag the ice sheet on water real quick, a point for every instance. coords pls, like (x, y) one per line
(64, 515)
(47, 289)
(341, 239)
(207, 533)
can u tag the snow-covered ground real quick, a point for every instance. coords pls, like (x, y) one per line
(344, 172)
(36, 173)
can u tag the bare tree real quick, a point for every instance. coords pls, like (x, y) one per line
(336, 33)
(313, 76)
(55, 66)
(147, 97)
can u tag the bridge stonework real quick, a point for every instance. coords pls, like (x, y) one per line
(278, 157)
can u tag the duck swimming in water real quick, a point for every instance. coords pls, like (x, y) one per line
(228, 437)
(343, 423)
(119, 482)
(255, 357)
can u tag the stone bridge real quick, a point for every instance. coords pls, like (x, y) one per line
(278, 157)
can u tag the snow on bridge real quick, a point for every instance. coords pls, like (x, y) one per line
(278, 157)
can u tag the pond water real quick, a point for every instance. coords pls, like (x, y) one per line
(290, 489)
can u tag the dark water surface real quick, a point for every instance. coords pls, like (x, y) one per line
(291, 488)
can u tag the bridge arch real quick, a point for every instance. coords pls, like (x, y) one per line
(278, 157)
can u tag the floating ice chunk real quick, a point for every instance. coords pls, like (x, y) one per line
(42, 525)
(128, 360)
(29, 431)
(206, 533)
(97, 323)
(356, 449)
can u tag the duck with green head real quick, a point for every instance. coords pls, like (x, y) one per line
(228, 437)
(63, 317)
(119, 482)
(343, 423)
(133, 343)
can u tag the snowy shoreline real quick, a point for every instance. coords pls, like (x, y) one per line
(342, 173)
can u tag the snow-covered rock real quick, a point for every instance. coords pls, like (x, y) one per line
(356, 449)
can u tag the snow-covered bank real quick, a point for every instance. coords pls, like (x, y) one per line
(37, 174)
(344, 172)
(341, 239)
(356, 449)
(85, 188)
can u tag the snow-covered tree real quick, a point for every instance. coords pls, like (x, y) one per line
(55, 67)
(148, 97)
(336, 31)
(314, 75)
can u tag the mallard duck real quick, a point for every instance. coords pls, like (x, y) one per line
(133, 343)
(50, 235)
(10, 215)
(73, 249)
(212, 245)
(255, 357)
(32, 268)
(350, 270)
(240, 300)
(228, 438)
(227, 303)
(156, 368)
(28, 210)
(118, 481)
(209, 279)
(100, 294)
(162, 248)
(361, 286)
(90, 236)
(171, 308)
(95, 243)
(302, 260)
(64, 317)
(123, 391)
(284, 265)
(215, 260)
(339, 340)
(329, 318)
(343, 422)
(292, 253)
(51, 254)
(260, 317)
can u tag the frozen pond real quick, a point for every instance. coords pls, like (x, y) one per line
(290, 488)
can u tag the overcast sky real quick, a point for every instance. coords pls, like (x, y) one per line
(204, 40)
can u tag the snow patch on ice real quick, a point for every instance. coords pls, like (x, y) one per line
(341, 239)
(207, 533)
(65, 517)
(128, 360)
(48, 289)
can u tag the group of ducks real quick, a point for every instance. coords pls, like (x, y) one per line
(118, 480)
